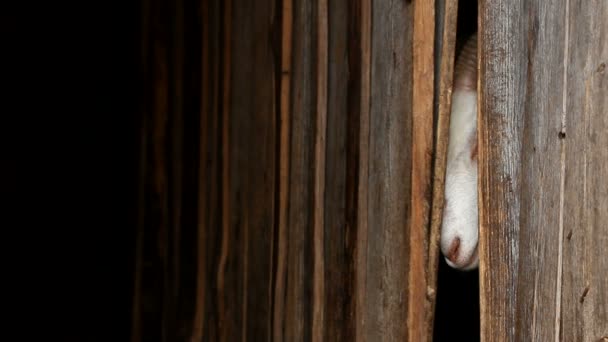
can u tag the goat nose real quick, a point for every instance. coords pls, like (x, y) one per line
(452, 254)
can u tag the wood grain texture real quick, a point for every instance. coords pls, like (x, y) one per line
(388, 181)
(318, 302)
(205, 317)
(447, 35)
(584, 301)
(164, 287)
(337, 235)
(283, 174)
(360, 58)
(154, 259)
(227, 290)
(537, 117)
(423, 86)
(253, 140)
(288, 195)
(297, 321)
(503, 66)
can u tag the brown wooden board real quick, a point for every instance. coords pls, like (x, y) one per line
(541, 108)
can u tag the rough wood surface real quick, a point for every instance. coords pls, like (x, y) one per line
(359, 58)
(284, 211)
(543, 204)
(338, 284)
(297, 321)
(389, 166)
(423, 86)
(283, 148)
(251, 185)
(165, 288)
(320, 145)
(205, 318)
(503, 66)
(584, 296)
(285, 170)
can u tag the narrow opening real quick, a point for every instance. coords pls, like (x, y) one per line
(457, 314)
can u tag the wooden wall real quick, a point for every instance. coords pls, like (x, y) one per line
(291, 169)
(286, 172)
(543, 165)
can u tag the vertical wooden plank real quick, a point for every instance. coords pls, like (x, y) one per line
(421, 154)
(538, 137)
(338, 256)
(224, 276)
(299, 287)
(389, 169)
(502, 66)
(322, 40)
(237, 120)
(540, 231)
(359, 106)
(262, 165)
(157, 309)
(205, 320)
(200, 294)
(584, 311)
(252, 174)
(280, 257)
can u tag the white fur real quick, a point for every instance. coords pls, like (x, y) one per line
(460, 217)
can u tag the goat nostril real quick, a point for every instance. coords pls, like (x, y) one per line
(454, 249)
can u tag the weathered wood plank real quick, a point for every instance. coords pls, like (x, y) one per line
(252, 168)
(299, 289)
(423, 64)
(584, 311)
(502, 67)
(540, 225)
(205, 318)
(360, 58)
(320, 146)
(539, 118)
(282, 215)
(389, 170)
(225, 282)
(338, 256)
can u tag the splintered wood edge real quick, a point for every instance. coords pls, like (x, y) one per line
(441, 144)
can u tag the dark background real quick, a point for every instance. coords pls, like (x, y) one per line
(69, 153)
